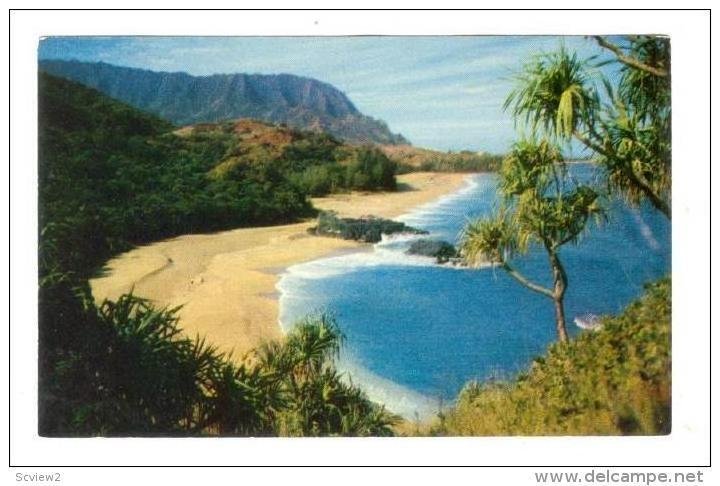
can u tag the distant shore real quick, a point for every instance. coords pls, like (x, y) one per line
(226, 281)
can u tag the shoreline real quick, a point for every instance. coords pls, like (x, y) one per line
(226, 281)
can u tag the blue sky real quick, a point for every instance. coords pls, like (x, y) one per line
(444, 93)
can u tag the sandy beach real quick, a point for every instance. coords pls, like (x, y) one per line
(226, 281)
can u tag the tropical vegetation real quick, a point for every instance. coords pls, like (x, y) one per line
(613, 381)
(623, 120)
(124, 368)
(111, 177)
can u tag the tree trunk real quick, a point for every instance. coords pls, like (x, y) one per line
(557, 293)
(560, 320)
(560, 279)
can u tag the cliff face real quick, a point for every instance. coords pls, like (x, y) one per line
(299, 102)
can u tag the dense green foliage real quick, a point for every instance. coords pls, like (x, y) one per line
(442, 251)
(110, 177)
(315, 163)
(124, 368)
(615, 380)
(628, 129)
(368, 229)
(315, 401)
(341, 168)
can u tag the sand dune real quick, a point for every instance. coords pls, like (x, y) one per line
(226, 281)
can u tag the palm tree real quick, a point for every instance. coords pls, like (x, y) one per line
(541, 205)
(628, 129)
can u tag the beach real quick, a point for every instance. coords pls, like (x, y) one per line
(225, 282)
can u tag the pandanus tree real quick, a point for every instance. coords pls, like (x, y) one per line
(316, 399)
(627, 128)
(541, 205)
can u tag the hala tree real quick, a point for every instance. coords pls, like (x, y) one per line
(627, 128)
(542, 205)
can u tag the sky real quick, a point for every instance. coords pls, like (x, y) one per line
(444, 93)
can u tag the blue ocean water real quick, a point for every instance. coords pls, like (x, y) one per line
(417, 331)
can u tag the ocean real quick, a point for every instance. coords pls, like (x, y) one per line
(416, 331)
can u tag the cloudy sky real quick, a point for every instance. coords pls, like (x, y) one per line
(440, 92)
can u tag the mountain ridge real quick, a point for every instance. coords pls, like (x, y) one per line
(300, 102)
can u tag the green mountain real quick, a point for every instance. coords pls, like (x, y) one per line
(299, 102)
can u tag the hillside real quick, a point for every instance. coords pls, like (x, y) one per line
(614, 381)
(111, 177)
(316, 163)
(299, 102)
(410, 159)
